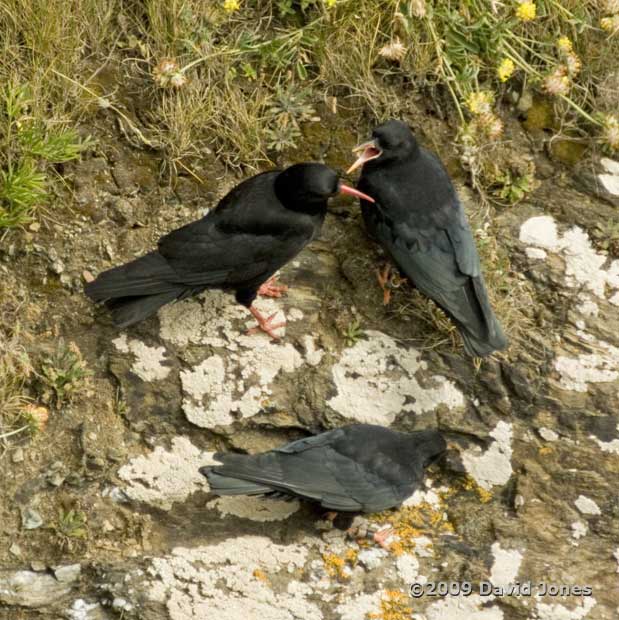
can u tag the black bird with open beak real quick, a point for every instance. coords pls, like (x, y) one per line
(419, 221)
(258, 227)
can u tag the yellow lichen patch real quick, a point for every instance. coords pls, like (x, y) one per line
(394, 605)
(545, 451)
(410, 522)
(261, 575)
(336, 565)
(470, 485)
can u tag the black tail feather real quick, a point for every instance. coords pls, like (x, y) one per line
(129, 310)
(224, 485)
(147, 275)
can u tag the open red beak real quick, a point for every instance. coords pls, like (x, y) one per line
(369, 150)
(351, 191)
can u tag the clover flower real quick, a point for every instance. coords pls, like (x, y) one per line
(418, 8)
(168, 73)
(557, 83)
(395, 50)
(480, 102)
(505, 69)
(610, 7)
(611, 132)
(610, 24)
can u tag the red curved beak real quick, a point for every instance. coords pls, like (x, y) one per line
(351, 191)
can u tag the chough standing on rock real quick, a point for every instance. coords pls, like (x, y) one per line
(259, 226)
(356, 468)
(420, 222)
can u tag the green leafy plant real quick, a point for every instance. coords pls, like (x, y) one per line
(64, 373)
(353, 332)
(72, 524)
(513, 188)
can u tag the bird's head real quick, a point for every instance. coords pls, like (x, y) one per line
(431, 445)
(308, 185)
(390, 141)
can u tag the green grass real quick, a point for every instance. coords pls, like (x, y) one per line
(31, 146)
(238, 79)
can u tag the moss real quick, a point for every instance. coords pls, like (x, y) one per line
(567, 151)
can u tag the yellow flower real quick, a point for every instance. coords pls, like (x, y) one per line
(610, 24)
(230, 6)
(330, 3)
(526, 11)
(505, 69)
(480, 102)
(564, 45)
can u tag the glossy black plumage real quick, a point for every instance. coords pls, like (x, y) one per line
(356, 468)
(255, 230)
(419, 220)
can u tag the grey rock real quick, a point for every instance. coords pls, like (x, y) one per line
(68, 573)
(57, 266)
(26, 588)
(38, 567)
(31, 519)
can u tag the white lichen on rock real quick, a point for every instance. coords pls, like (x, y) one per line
(214, 319)
(377, 379)
(360, 606)
(556, 611)
(255, 508)
(505, 566)
(472, 607)
(610, 179)
(611, 446)
(237, 383)
(234, 382)
(576, 373)
(82, 610)
(547, 433)
(149, 361)
(407, 567)
(166, 476)
(583, 264)
(492, 467)
(231, 581)
(579, 529)
(587, 506)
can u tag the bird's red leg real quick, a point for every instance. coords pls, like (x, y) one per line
(271, 289)
(383, 279)
(265, 324)
(382, 536)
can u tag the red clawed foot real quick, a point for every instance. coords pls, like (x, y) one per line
(383, 279)
(382, 535)
(271, 289)
(265, 325)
